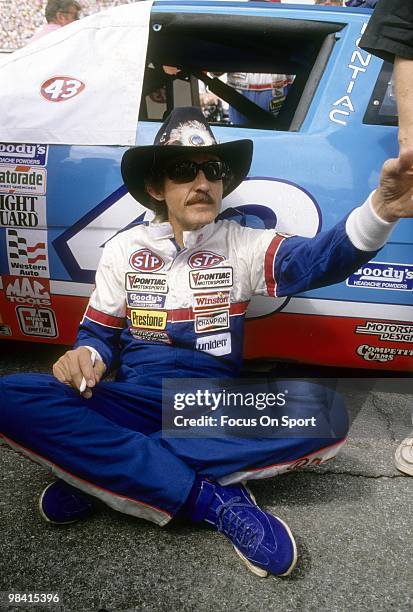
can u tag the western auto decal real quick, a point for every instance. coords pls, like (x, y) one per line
(210, 300)
(146, 283)
(61, 88)
(205, 259)
(22, 290)
(211, 279)
(145, 260)
(36, 321)
(27, 252)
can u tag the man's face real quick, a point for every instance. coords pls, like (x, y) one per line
(65, 17)
(192, 204)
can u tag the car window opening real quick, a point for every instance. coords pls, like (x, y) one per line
(204, 61)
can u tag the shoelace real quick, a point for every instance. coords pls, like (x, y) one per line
(230, 523)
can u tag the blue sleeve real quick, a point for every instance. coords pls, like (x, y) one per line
(104, 318)
(308, 263)
(102, 338)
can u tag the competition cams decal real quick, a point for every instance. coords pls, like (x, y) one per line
(381, 353)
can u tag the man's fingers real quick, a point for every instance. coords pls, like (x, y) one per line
(394, 168)
(58, 372)
(406, 159)
(85, 364)
(76, 366)
(87, 393)
(99, 370)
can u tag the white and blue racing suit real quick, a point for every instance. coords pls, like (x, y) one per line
(162, 311)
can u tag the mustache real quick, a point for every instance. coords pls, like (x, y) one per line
(200, 198)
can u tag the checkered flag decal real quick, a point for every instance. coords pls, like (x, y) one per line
(18, 248)
(17, 245)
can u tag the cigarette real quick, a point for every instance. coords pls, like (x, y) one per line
(83, 385)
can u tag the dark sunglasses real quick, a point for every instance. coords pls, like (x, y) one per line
(185, 171)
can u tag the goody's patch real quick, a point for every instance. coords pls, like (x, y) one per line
(145, 300)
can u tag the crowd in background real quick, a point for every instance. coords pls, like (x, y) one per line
(21, 18)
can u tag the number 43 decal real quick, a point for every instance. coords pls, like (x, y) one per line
(61, 88)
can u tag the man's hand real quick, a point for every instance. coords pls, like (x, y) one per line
(393, 199)
(76, 364)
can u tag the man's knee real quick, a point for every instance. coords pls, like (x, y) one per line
(18, 392)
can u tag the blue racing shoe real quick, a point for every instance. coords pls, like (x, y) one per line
(62, 504)
(263, 541)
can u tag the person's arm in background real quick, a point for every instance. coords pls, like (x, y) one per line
(403, 75)
(389, 35)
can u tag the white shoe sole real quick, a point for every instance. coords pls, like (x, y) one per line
(258, 571)
(400, 462)
(44, 516)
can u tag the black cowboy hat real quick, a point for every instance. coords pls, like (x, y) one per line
(184, 129)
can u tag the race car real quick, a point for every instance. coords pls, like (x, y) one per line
(77, 109)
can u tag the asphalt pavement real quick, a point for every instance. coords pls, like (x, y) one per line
(352, 519)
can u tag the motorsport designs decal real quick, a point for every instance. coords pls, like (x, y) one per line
(27, 252)
(210, 301)
(23, 179)
(392, 332)
(213, 279)
(205, 259)
(146, 283)
(22, 210)
(220, 344)
(381, 275)
(211, 321)
(149, 319)
(37, 321)
(23, 154)
(148, 335)
(145, 300)
(145, 260)
(382, 353)
(24, 290)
